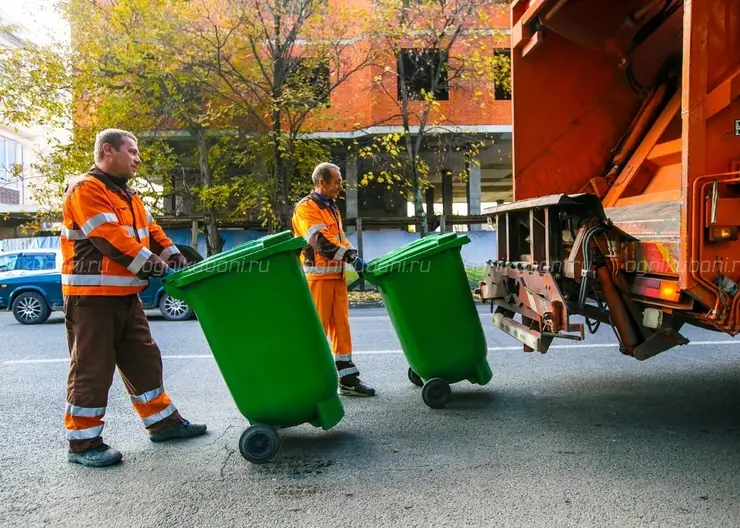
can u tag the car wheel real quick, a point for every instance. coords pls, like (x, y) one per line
(174, 309)
(30, 308)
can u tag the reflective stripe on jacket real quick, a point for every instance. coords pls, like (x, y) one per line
(109, 241)
(328, 250)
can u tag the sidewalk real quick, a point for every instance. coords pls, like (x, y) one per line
(365, 299)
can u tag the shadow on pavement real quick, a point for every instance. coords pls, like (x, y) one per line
(690, 402)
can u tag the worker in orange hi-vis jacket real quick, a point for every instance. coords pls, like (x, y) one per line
(111, 246)
(316, 218)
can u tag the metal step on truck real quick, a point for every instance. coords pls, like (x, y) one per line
(626, 149)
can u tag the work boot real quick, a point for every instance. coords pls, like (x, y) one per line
(358, 389)
(184, 429)
(100, 456)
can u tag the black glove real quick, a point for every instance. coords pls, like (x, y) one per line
(153, 267)
(359, 265)
(177, 261)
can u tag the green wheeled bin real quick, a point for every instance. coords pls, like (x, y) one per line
(257, 314)
(431, 305)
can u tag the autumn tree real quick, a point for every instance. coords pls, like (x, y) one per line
(430, 49)
(136, 69)
(118, 73)
(246, 81)
(273, 66)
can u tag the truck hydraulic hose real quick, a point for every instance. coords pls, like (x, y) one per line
(583, 293)
(618, 310)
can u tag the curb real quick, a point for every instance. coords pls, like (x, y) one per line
(361, 306)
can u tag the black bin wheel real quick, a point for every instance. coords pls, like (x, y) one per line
(415, 379)
(436, 392)
(259, 443)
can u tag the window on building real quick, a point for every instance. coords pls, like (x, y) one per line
(419, 68)
(502, 74)
(4, 179)
(11, 157)
(309, 80)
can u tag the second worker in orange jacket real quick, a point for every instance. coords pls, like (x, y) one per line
(316, 218)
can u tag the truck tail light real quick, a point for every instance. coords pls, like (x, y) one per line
(722, 233)
(669, 291)
(666, 290)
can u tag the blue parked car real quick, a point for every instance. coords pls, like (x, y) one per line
(31, 286)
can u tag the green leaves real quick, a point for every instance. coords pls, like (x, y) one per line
(35, 86)
(253, 79)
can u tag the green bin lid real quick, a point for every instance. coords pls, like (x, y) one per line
(415, 251)
(228, 261)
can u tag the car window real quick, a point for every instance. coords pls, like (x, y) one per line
(7, 262)
(37, 262)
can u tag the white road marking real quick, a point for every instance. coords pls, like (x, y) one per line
(376, 352)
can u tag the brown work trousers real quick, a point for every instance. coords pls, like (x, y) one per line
(102, 333)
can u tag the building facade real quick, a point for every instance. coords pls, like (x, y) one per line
(16, 147)
(463, 114)
(362, 109)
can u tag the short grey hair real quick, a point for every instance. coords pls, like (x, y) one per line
(323, 171)
(111, 136)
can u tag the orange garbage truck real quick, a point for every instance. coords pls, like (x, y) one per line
(626, 149)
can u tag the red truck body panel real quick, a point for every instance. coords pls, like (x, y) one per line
(638, 102)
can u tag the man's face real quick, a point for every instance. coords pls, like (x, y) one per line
(333, 188)
(123, 162)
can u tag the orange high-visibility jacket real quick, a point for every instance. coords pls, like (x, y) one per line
(320, 223)
(109, 241)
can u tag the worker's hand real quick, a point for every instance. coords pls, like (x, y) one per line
(153, 267)
(177, 261)
(359, 265)
(159, 269)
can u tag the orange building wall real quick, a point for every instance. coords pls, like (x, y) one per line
(358, 104)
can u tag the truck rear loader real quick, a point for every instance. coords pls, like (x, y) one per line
(626, 158)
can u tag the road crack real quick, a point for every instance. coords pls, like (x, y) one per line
(226, 461)
(222, 434)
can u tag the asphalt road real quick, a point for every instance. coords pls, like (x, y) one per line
(581, 436)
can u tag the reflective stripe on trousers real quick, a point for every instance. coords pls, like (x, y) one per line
(348, 372)
(83, 423)
(153, 406)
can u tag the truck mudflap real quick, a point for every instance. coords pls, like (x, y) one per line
(660, 341)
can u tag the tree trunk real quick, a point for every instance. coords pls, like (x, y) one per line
(280, 70)
(412, 150)
(416, 187)
(214, 243)
(281, 180)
